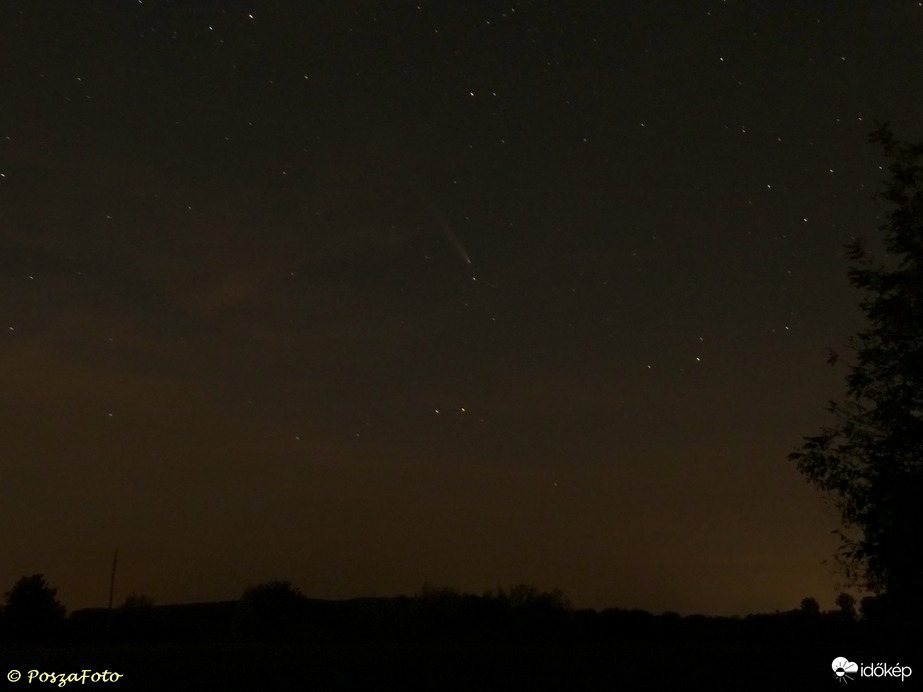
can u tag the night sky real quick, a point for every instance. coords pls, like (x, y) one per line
(364, 295)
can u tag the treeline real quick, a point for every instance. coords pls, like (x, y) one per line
(278, 612)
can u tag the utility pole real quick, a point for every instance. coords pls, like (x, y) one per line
(115, 559)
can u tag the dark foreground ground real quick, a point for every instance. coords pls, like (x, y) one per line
(471, 666)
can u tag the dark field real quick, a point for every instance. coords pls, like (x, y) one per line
(627, 666)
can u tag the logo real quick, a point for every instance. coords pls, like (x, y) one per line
(841, 667)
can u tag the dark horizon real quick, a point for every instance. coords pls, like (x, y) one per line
(30, 597)
(129, 597)
(521, 635)
(371, 295)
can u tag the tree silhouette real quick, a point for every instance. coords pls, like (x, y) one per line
(869, 462)
(526, 596)
(32, 613)
(847, 605)
(270, 611)
(134, 619)
(137, 601)
(810, 608)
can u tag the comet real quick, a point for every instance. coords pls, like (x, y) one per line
(443, 224)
